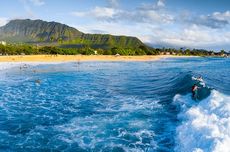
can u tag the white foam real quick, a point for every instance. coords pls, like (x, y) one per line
(92, 130)
(205, 125)
(9, 65)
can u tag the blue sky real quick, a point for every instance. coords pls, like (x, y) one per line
(173, 23)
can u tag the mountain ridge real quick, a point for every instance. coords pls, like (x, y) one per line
(39, 31)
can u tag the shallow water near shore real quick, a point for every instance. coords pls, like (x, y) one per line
(115, 106)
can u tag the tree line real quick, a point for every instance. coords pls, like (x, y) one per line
(86, 50)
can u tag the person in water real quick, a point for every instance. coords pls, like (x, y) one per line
(200, 79)
(194, 91)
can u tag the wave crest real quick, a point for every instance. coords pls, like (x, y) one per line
(205, 125)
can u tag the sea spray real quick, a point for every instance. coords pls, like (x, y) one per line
(205, 126)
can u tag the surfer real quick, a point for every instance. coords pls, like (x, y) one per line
(200, 79)
(194, 91)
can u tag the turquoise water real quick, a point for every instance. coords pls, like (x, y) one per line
(115, 106)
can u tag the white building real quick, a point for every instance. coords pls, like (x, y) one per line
(3, 42)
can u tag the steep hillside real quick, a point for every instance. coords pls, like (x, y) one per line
(38, 31)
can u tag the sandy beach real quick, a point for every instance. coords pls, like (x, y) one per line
(66, 58)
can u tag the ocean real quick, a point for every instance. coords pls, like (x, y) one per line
(115, 106)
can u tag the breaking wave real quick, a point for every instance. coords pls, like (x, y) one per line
(205, 125)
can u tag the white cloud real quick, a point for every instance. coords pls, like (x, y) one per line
(155, 24)
(113, 3)
(146, 13)
(154, 16)
(101, 12)
(3, 21)
(215, 20)
(37, 2)
(98, 13)
(79, 14)
(115, 29)
(222, 16)
(193, 36)
(160, 3)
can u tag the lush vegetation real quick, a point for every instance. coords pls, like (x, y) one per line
(86, 50)
(42, 32)
(27, 30)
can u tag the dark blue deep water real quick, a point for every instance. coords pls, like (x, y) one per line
(115, 106)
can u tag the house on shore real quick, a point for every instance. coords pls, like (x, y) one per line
(165, 53)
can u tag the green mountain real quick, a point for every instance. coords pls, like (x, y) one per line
(53, 33)
(37, 31)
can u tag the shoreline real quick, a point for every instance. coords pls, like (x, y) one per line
(79, 58)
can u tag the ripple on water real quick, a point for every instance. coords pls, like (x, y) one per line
(105, 106)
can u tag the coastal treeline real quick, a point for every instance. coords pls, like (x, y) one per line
(86, 50)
